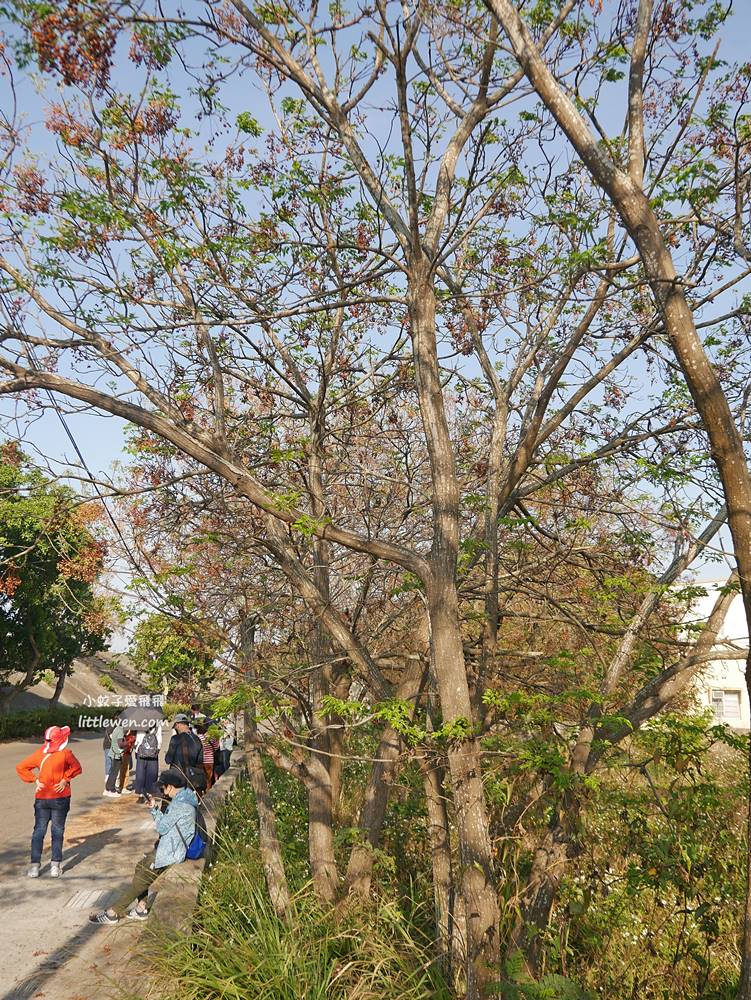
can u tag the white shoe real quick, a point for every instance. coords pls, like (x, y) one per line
(110, 795)
(56, 869)
(127, 791)
(33, 871)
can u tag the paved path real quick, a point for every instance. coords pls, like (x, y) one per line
(44, 921)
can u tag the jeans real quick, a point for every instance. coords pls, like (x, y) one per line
(147, 771)
(46, 811)
(107, 762)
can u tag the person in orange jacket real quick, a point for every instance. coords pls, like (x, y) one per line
(55, 767)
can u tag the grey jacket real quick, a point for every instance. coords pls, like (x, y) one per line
(175, 827)
(117, 734)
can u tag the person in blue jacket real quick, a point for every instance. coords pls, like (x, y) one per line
(176, 827)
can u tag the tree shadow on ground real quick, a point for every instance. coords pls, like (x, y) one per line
(77, 849)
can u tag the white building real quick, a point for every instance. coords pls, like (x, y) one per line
(721, 685)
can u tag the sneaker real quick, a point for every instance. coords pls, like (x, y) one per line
(33, 871)
(102, 917)
(136, 914)
(109, 795)
(56, 869)
(127, 791)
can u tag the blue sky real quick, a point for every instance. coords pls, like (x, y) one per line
(100, 438)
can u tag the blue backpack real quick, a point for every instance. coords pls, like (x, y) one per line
(196, 847)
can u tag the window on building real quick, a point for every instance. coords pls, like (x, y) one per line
(726, 705)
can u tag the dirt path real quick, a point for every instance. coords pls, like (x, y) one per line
(44, 921)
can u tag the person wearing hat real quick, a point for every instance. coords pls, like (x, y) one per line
(148, 745)
(185, 753)
(52, 768)
(176, 828)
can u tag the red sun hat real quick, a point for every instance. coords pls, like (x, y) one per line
(56, 738)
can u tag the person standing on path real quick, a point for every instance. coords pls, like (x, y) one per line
(185, 753)
(55, 768)
(107, 748)
(148, 745)
(116, 753)
(226, 743)
(121, 744)
(208, 752)
(128, 743)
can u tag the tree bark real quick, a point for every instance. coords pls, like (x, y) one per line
(447, 653)
(475, 855)
(268, 839)
(59, 685)
(373, 811)
(372, 814)
(321, 831)
(448, 948)
(548, 867)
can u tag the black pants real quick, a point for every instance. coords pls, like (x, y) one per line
(223, 762)
(46, 811)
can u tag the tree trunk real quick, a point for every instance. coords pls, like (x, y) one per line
(31, 672)
(475, 854)
(372, 814)
(446, 651)
(325, 768)
(373, 811)
(7, 698)
(59, 685)
(321, 831)
(449, 944)
(268, 839)
(548, 867)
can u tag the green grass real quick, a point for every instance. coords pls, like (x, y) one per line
(240, 950)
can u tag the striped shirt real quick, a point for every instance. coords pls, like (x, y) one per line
(208, 750)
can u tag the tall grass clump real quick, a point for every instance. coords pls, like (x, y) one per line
(240, 949)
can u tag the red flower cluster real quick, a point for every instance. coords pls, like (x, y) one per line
(10, 581)
(32, 197)
(77, 41)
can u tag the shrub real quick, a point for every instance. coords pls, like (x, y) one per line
(26, 725)
(171, 709)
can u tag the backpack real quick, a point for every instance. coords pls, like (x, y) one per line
(194, 773)
(148, 748)
(195, 848)
(198, 842)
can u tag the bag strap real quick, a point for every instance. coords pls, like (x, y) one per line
(195, 832)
